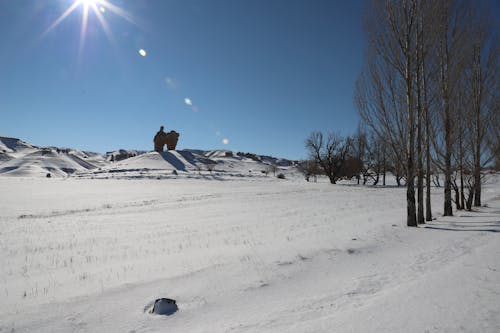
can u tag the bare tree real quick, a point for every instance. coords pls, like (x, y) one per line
(483, 81)
(419, 106)
(359, 144)
(330, 153)
(391, 30)
(380, 103)
(309, 168)
(427, 68)
(447, 47)
(272, 168)
(370, 156)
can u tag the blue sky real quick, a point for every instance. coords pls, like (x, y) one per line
(262, 74)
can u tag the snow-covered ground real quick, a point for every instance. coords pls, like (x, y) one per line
(252, 255)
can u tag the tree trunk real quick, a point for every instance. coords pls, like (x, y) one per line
(384, 168)
(469, 201)
(428, 211)
(411, 219)
(477, 177)
(448, 210)
(457, 198)
(477, 121)
(420, 173)
(461, 155)
(462, 194)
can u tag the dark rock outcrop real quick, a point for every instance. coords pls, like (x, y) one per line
(161, 138)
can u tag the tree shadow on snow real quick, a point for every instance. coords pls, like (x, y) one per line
(372, 186)
(489, 226)
(482, 216)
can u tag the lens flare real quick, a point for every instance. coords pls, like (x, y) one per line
(89, 2)
(225, 141)
(143, 52)
(171, 83)
(98, 8)
(188, 101)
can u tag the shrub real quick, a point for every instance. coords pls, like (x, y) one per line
(281, 176)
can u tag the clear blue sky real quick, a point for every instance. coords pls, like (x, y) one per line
(261, 73)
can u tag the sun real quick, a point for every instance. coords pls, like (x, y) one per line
(89, 2)
(99, 8)
(93, 4)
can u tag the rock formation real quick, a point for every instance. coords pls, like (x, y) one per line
(171, 140)
(161, 138)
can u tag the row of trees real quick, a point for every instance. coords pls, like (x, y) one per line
(429, 101)
(362, 156)
(431, 82)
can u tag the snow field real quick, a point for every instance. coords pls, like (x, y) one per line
(240, 256)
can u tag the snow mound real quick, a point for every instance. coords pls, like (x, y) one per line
(171, 160)
(188, 164)
(43, 161)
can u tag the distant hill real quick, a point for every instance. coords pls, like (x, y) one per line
(12, 148)
(21, 159)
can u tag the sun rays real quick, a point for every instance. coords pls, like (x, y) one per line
(98, 8)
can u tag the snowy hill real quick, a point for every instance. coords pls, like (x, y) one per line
(122, 154)
(188, 164)
(11, 148)
(45, 161)
(20, 159)
(14, 146)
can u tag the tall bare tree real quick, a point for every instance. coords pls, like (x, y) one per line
(419, 105)
(483, 79)
(391, 30)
